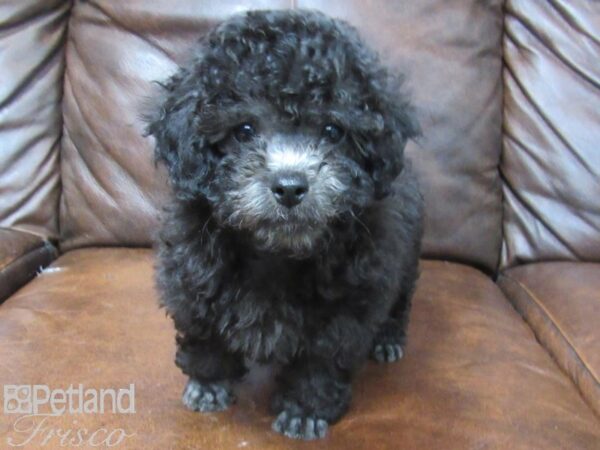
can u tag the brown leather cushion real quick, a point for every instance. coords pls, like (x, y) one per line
(451, 52)
(473, 375)
(561, 302)
(32, 37)
(551, 162)
(21, 256)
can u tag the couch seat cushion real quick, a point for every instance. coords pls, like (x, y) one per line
(561, 303)
(473, 376)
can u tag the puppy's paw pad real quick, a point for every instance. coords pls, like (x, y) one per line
(206, 397)
(387, 353)
(300, 427)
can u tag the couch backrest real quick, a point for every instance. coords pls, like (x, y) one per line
(551, 158)
(32, 36)
(450, 52)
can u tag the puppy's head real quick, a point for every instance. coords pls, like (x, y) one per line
(285, 123)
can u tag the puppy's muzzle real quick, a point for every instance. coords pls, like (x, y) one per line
(289, 188)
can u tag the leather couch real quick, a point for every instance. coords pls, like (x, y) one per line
(504, 341)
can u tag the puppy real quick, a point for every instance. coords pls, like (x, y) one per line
(294, 229)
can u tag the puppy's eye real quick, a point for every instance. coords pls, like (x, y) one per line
(332, 133)
(244, 133)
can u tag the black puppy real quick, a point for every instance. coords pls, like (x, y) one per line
(294, 230)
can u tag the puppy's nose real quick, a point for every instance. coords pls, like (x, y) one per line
(289, 188)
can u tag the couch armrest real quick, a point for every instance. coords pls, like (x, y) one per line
(22, 254)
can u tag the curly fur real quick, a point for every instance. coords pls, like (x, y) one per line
(317, 287)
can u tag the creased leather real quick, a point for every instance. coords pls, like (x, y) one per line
(551, 162)
(560, 301)
(473, 375)
(32, 36)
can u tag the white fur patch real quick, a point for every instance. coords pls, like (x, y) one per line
(293, 159)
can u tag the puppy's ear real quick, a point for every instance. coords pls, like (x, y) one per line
(387, 159)
(179, 143)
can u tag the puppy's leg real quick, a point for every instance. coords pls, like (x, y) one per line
(312, 394)
(388, 345)
(315, 389)
(211, 369)
(389, 342)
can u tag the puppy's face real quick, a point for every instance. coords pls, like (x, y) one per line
(284, 183)
(285, 124)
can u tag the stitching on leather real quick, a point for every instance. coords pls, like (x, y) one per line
(550, 317)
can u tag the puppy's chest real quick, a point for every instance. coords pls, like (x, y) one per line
(275, 309)
(275, 276)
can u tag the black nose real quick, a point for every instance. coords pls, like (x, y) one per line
(289, 188)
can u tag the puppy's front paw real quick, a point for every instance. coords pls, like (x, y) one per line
(387, 352)
(300, 427)
(207, 397)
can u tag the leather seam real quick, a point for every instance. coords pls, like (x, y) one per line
(44, 247)
(37, 246)
(555, 324)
